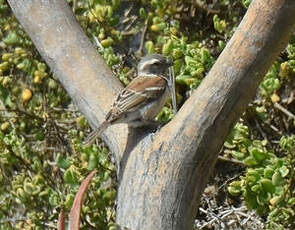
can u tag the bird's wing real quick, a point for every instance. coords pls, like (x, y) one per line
(138, 93)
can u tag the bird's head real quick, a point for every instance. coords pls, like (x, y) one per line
(153, 64)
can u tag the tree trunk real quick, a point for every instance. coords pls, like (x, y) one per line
(162, 176)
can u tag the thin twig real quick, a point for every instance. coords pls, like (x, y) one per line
(231, 160)
(98, 44)
(172, 88)
(74, 5)
(22, 112)
(261, 131)
(139, 51)
(284, 110)
(132, 19)
(273, 128)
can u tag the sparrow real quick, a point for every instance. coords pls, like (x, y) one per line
(142, 99)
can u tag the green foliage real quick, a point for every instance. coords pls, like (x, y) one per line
(267, 185)
(219, 25)
(99, 19)
(109, 56)
(271, 82)
(192, 60)
(246, 3)
(42, 160)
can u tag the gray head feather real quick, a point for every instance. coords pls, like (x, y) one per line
(153, 64)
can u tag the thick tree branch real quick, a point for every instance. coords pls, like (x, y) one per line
(170, 175)
(163, 176)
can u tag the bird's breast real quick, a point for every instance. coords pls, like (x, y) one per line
(151, 110)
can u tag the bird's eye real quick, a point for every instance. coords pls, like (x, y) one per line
(157, 63)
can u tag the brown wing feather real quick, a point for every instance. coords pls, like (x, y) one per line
(139, 92)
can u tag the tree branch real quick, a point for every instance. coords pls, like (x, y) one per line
(170, 175)
(163, 176)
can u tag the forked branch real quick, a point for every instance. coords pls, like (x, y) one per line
(163, 176)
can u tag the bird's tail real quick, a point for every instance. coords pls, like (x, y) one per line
(95, 133)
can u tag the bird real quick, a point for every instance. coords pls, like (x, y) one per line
(142, 99)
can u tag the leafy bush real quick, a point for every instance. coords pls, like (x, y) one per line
(268, 184)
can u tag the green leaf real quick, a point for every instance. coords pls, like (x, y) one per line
(268, 172)
(12, 38)
(235, 188)
(267, 185)
(29, 187)
(263, 199)
(228, 144)
(250, 161)
(277, 178)
(275, 200)
(63, 162)
(291, 201)
(92, 162)
(69, 201)
(257, 153)
(284, 171)
(238, 155)
(183, 79)
(71, 176)
(256, 188)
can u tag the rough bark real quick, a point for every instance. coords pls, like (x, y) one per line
(162, 175)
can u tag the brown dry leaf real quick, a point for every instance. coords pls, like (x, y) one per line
(74, 218)
(61, 220)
